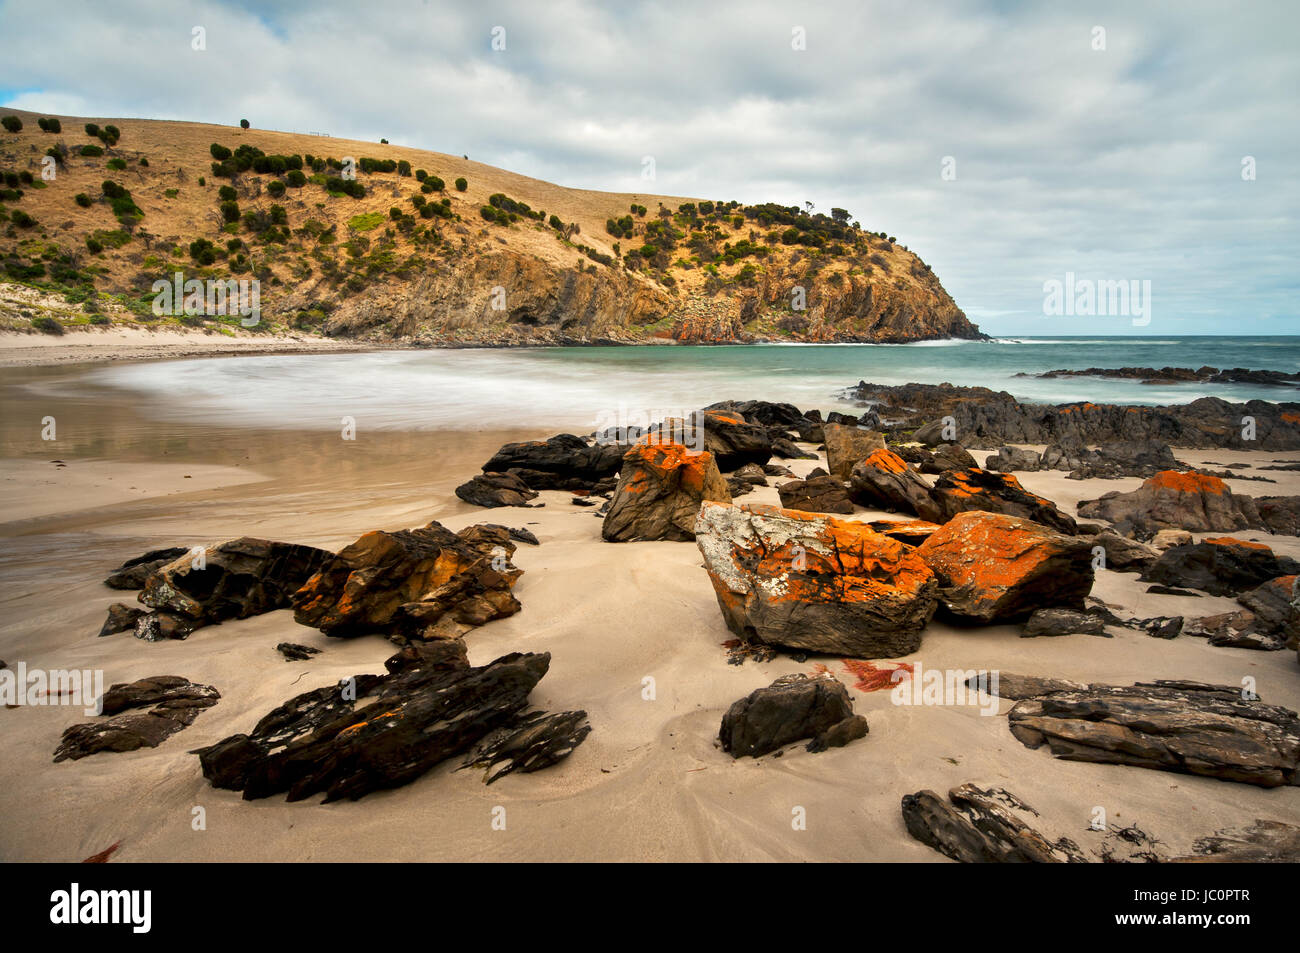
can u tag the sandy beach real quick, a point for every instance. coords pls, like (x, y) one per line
(650, 783)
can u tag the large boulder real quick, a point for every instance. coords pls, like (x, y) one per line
(1221, 566)
(232, 580)
(1196, 502)
(1188, 727)
(659, 493)
(993, 567)
(415, 583)
(496, 489)
(564, 462)
(785, 577)
(791, 708)
(847, 445)
(1123, 554)
(960, 491)
(1281, 514)
(983, 826)
(373, 732)
(817, 494)
(1014, 458)
(884, 480)
(947, 456)
(733, 440)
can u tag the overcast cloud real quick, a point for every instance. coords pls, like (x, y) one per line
(1122, 163)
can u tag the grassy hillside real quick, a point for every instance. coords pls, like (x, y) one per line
(423, 247)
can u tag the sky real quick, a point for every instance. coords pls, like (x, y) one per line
(1007, 144)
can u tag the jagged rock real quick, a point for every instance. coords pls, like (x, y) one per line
(840, 734)
(563, 462)
(120, 618)
(659, 493)
(848, 445)
(785, 577)
(515, 532)
(995, 567)
(534, 741)
(960, 491)
(296, 652)
(981, 827)
(496, 489)
(817, 494)
(133, 573)
(1124, 458)
(885, 480)
(1160, 627)
(1188, 727)
(1013, 686)
(752, 474)
(1234, 630)
(783, 416)
(381, 731)
(1221, 566)
(176, 703)
(1276, 607)
(791, 708)
(1054, 622)
(989, 419)
(415, 583)
(1124, 555)
(1171, 500)
(1014, 458)
(232, 580)
(1281, 514)
(775, 470)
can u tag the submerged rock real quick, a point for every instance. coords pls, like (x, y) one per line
(785, 577)
(792, 708)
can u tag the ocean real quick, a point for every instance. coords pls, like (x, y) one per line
(588, 387)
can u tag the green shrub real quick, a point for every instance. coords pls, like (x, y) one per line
(203, 251)
(227, 193)
(230, 211)
(461, 185)
(50, 125)
(295, 178)
(92, 130)
(275, 188)
(83, 200)
(47, 325)
(117, 165)
(93, 245)
(171, 193)
(243, 124)
(91, 151)
(12, 123)
(21, 218)
(219, 152)
(403, 168)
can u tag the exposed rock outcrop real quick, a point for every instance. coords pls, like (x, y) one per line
(1194, 502)
(792, 708)
(659, 493)
(847, 445)
(960, 491)
(1221, 566)
(175, 702)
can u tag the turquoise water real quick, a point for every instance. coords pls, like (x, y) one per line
(581, 388)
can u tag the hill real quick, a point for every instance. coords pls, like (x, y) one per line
(409, 246)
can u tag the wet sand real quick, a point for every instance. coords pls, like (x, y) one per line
(649, 783)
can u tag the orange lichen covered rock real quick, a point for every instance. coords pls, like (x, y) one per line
(993, 567)
(1221, 566)
(847, 445)
(786, 577)
(912, 532)
(885, 480)
(960, 491)
(659, 492)
(1196, 502)
(419, 583)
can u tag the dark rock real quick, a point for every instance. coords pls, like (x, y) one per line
(496, 489)
(948, 456)
(1187, 727)
(382, 731)
(296, 652)
(120, 618)
(840, 734)
(416, 583)
(1172, 591)
(564, 462)
(981, 827)
(1221, 566)
(788, 450)
(1014, 458)
(176, 703)
(885, 480)
(232, 580)
(534, 741)
(1123, 555)
(1281, 514)
(1171, 500)
(1053, 622)
(791, 708)
(961, 491)
(731, 439)
(847, 446)
(819, 494)
(133, 573)
(1263, 842)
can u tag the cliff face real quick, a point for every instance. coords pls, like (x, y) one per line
(431, 249)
